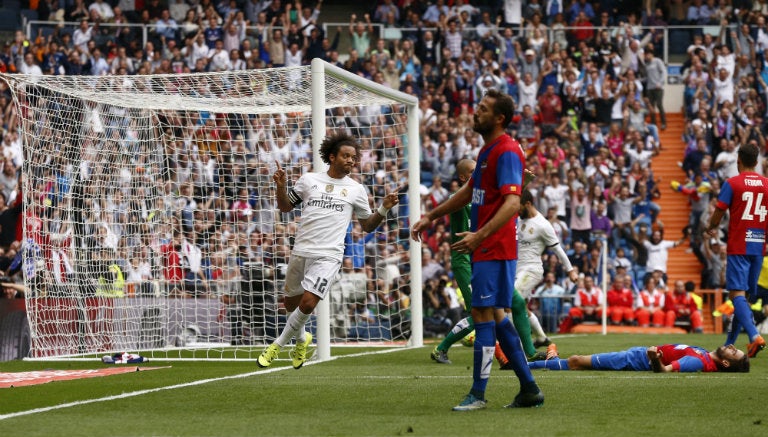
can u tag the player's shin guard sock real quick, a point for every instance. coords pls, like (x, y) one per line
(743, 315)
(485, 342)
(536, 328)
(293, 326)
(510, 344)
(522, 325)
(459, 331)
(556, 364)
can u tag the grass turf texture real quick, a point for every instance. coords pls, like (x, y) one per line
(398, 393)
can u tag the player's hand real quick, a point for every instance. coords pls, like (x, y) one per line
(391, 200)
(419, 227)
(528, 177)
(468, 243)
(279, 177)
(573, 275)
(653, 353)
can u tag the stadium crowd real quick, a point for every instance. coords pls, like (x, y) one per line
(588, 81)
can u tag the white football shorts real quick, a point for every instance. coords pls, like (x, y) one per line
(526, 281)
(315, 275)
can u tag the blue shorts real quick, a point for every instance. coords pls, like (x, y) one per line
(741, 273)
(634, 358)
(493, 283)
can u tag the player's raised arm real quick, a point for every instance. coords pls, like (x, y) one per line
(283, 201)
(375, 219)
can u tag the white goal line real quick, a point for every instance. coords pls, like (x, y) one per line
(178, 386)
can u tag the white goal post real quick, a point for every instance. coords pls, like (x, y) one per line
(150, 222)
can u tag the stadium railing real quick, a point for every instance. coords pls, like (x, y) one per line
(674, 39)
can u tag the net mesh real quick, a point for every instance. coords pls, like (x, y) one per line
(150, 220)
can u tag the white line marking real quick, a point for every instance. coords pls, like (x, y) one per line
(539, 375)
(177, 386)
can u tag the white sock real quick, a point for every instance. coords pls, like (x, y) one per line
(293, 327)
(538, 333)
(487, 361)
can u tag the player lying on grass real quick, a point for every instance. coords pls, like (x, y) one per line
(660, 359)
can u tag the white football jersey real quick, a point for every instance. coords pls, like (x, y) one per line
(534, 235)
(328, 205)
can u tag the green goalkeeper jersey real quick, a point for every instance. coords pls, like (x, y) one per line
(460, 262)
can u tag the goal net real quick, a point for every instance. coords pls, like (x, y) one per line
(150, 221)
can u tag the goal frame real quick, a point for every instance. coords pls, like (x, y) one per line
(319, 71)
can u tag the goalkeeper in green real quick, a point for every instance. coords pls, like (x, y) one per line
(462, 274)
(461, 267)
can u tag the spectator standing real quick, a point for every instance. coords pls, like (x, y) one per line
(556, 194)
(384, 8)
(714, 255)
(601, 223)
(726, 161)
(99, 66)
(29, 66)
(82, 35)
(724, 88)
(101, 10)
(361, 34)
(166, 27)
(308, 16)
(622, 203)
(658, 252)
(277, 50)
(213, 32)
(581, 216)
(452, 38)
(655, 71)
(78, 11)
(178, 10)
(550, 109)
(433, 13)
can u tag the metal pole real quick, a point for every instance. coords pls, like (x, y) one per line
(323, 309)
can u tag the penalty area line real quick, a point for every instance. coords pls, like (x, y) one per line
(177, 386)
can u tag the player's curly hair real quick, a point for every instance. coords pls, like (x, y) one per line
(331, 145)
(526, 197)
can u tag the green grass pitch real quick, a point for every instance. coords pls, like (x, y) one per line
(395, 393)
